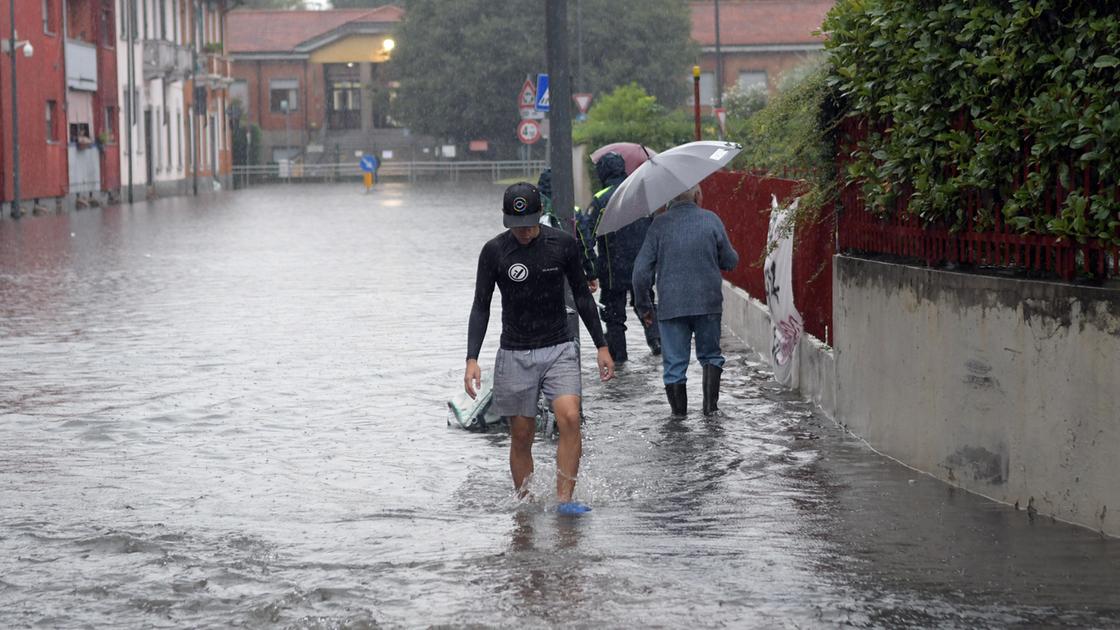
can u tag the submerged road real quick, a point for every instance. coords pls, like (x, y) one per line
(230, 412)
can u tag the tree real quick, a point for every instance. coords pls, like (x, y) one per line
(460, 64)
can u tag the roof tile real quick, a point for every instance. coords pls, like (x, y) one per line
(258, 31)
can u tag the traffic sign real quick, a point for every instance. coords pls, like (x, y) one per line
(721, 116)
(583, 101)
(529, 131)
(542, 93)
(527, 99)
(368, 163)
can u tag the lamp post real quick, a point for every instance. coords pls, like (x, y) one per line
(719, 72)
(10, 46)
(696, 98)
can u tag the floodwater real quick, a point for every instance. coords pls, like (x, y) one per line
(230, 412)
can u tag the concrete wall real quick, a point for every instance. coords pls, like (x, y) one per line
(749, 320)
(1008, 388)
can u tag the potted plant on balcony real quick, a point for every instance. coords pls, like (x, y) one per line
(104, 138)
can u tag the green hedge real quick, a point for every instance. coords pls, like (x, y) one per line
(963, 97)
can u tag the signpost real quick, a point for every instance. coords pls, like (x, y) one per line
(369, 164)
(583, 102)
(529, 131)
(721, 116)
(527, 100)
(542, 93)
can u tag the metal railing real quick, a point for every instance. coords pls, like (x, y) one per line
(412, 171)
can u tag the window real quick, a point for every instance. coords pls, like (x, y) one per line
(167, 130)
(107, 27)
(750, 78)
(79, 133)
(179, 136)
(707, 89)
(110, 120)
(50, 21)
(52, 121)
(281, 91)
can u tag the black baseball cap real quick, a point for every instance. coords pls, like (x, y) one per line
(521, 205)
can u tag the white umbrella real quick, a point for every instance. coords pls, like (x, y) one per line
(663, 177)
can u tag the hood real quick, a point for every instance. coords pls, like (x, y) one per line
(610, 169)
(544, 182)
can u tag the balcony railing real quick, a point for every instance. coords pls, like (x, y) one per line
(164, 59)
(218, 69)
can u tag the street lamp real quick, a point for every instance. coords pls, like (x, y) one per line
(9, 46)
(388, 45)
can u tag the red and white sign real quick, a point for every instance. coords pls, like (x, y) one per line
(583, 101)
(721, 116)
(527, 99)
(529, 131)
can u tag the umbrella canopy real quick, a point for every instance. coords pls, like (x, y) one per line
(632, 153)
(662, 178)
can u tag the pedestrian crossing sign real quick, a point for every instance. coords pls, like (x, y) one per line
(542, 93)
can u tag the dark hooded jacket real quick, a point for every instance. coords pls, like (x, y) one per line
(615, 252)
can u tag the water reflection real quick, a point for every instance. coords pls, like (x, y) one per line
(232, 413)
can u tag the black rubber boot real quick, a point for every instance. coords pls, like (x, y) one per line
(678, 398)
(711, 388)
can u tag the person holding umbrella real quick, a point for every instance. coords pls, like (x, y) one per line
(613, 261)
(685, 250)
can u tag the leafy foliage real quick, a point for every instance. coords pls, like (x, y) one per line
(630, 114)
(1008, 101)
(460, 64)
(742, 102)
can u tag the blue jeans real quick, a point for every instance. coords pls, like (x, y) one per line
(676, 344)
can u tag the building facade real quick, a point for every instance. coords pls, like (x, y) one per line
(113, 97)
(759, 41)
(172, 61)
(65, 105)
(314, 82)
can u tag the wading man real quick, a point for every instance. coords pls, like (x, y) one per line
(530, 263)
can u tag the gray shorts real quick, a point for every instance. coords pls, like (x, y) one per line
(521, 375)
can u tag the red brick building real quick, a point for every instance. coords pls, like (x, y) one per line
(66, 93)
(759, 40)
(314, 80)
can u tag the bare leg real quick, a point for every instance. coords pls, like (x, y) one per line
(521, 430)
(570, 446)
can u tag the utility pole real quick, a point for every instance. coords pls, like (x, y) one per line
(196, 131)
(560, 110)
(719, 63)
(579, 47)
(16, 211)
(130, 87)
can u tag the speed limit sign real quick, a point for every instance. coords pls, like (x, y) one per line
(529, 131)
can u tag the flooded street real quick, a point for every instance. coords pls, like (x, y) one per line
(231, 412)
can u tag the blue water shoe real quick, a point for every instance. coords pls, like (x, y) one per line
(572, 507)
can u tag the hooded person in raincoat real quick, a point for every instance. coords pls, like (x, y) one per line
(613, 260)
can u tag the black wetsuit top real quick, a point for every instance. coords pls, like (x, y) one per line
(531, 279)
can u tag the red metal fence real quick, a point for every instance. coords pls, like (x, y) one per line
(1001, 245)
(742, 201)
